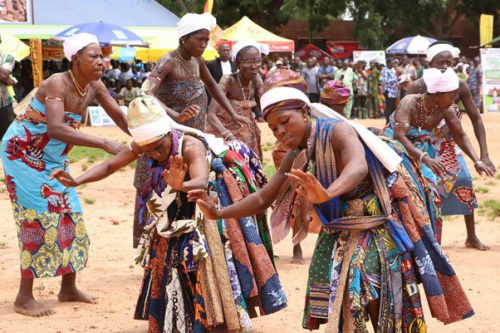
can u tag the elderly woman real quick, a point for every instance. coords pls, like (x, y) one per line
(185, 290)
(241, 89)
(376, 242)
(178, 81)
(49, 219)
(419, 115)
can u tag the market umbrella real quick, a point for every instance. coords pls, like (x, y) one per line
(107, 34)
(411, 45)
(14, 46)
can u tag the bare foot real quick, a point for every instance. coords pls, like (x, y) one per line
(32, 308)
(76, 296)
(298, 261)
(476, 243)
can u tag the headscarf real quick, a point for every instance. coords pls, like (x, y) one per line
(283, 89)
(241, 44)
(335, 92)
(148, 122)
(435, 49)
(193, 22)
(77, 42)
(440, 82)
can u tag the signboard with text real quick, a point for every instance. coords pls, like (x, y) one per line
(99, 117)
(490, 63)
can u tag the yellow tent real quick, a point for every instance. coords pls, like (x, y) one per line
(160, 45)
(247, 29)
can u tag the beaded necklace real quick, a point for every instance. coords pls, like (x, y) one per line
(423, 112)
(79, 88)
(183, 63)
(241, 87)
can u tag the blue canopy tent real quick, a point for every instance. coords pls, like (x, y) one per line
(47, 18)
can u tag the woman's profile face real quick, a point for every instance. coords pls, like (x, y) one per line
(90, 61)
(289, 127)
(159, 149)
(196, 43)
(249, 62)
(445, 100)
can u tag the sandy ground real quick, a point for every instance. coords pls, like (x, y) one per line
(112, 276)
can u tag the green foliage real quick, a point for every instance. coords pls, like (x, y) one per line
(269, 168)
(490, 183)
(268, 146)
(493, 208)
(91, 154)
(482, 189)
(89, 201)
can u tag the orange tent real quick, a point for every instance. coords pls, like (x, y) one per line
(247, 29)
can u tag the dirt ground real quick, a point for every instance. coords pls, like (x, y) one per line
(112, 276)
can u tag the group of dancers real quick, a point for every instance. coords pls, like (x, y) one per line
(203, 235)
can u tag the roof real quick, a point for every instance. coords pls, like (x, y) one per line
(146, 18)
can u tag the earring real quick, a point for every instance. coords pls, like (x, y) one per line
(304, 119)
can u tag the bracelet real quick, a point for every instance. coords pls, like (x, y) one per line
(223, 133)
(478, 162)
(422, 156)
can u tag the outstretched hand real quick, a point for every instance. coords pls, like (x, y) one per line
(204, 202)
(309, 187)
(176, 173)
(63, 177)
(188, 113)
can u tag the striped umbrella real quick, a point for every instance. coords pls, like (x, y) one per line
(411, 45)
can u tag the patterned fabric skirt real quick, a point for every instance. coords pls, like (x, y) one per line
(378, 268)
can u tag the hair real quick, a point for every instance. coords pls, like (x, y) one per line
(240, 53)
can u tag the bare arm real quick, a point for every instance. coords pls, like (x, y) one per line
(57, 129)
(477, 122)
(194, 155)
(252, 204)
(154, 80)
(5, 77)
(111, 107)
(350, 154)
(212, 118)
(99, 171)
(216, 93)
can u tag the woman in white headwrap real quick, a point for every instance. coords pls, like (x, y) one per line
(178, 81)
(419, 115)
(242, 90)
(194, 280)
(50, 224)
(376, 242)
(458, 180)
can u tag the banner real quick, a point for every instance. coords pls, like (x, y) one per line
(99, 117)
(485, 29)
(340, 50)
(490, 62)
(378, 56)
(36, 61)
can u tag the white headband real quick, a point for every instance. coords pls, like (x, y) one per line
(280, 94)
(151, 131)
(77, 42)
(194, 22)
(439, 82)
(438, 48)
(263, 48)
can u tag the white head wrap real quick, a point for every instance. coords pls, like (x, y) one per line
(439, 82)
(77, 42)
(148, 122)
(280, 94)
(194, 22)
(241, 44)
(438, 48)
(380, 149)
